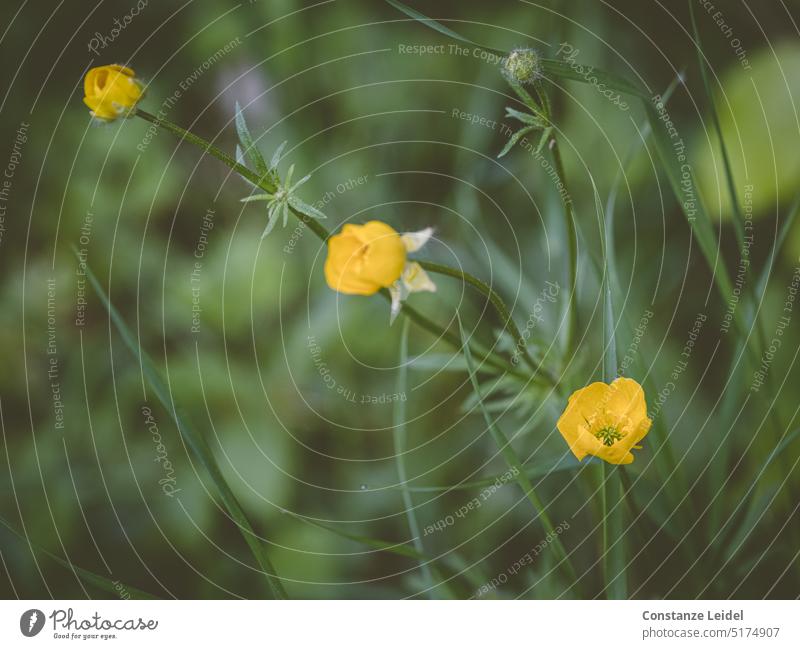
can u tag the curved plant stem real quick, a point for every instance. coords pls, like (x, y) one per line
(399, 435)
(572, 251)
(515, 464)
(322, 232)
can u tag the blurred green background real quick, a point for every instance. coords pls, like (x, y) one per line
(331, 79)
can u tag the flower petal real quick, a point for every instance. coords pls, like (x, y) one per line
(413, 241)
(415, 279)
(626, 399)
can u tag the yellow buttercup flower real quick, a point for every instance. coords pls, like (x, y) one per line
(111, 91)
(606, 421)
(363, 259)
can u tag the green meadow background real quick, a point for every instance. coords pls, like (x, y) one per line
(297, 390)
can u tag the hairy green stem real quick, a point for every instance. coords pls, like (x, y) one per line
(572, 251)
(501, 308)
(322, 232)
(514, 463)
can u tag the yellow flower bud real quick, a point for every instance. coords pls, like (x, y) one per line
(362, 259)
(606, 421)
(111, 91)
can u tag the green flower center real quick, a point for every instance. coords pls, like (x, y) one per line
(608, 435)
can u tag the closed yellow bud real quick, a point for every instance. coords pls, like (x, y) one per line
(111, 91)
(362, 259)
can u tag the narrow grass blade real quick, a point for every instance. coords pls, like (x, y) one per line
(400, 435)
(401, 549)
(750, 503)
(726, 161)
(106, 584)
(541, 469)
(564, 70)
(613, 493)
(196, 443)
(433, 24)
(250, 149)
(514, 463)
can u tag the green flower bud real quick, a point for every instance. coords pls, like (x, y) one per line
(522, 65)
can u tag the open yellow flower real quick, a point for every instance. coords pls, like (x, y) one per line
(606, 421)
(111, 91)
(363, 259)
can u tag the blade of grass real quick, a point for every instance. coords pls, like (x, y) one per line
(739, 218)
(403, 550)
(513, 462)
(437, 26)
(250, 149)
(541, 469)
(400, 549)
(554, 67)
(502, 311)
(106, 584)
(750, 503)
(321, 232)
(698, 220)
(400, 435)
(196, 443)
(613, 493)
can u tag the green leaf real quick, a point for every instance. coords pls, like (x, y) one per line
(257, 197)
(535, 469)
(273, 214)
(433, 24)
(752, 506)
(276, 157)
(564, 70)
(726, 161)
(515, 465)
(106, 584)
(196, 443)
(305, 208)
(401, 549)
(514, 139)
(250, 149)
(553, 67)
(526, 118)
(399, 436)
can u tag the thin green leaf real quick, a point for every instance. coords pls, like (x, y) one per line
(536, 469)
(786, 227)
(752, 505)
(553, 67)
(196, 443)
(250, 149)
(433, 24)
(399, 435)
(273, 214)
(726, 161)
(525, 118)
(301, 206)
(401, 549)
(257, 197)
(565, 70)
(514, 464)
(614, 570)
(434, 362)
(106, 584)
(276, 157)
(514, 139)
